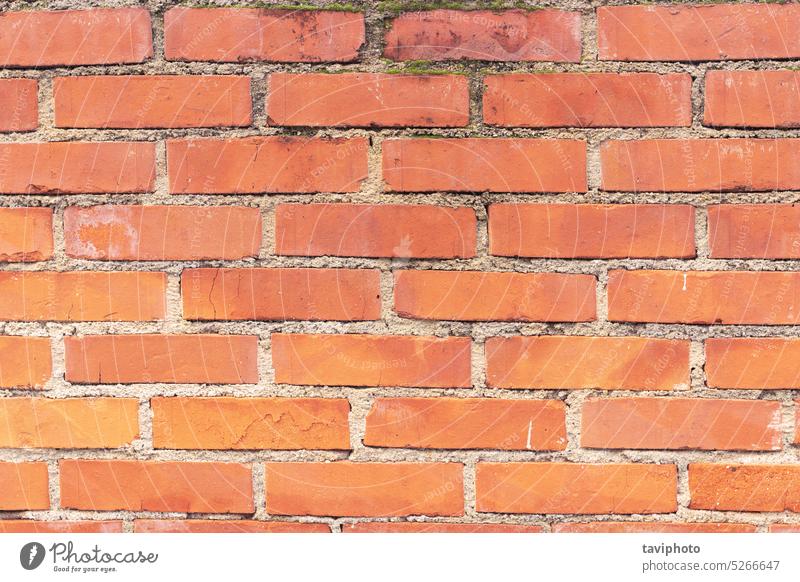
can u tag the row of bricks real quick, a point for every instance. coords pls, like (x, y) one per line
(322, 294)
(278, 164)
(257, 526)
(626, 33)
(518, 362)
(405, 231)
(394, 100)
(349, 489)
(223, 423)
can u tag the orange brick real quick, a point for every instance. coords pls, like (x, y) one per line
(365, 489)
(60, 526)
(466, 423)
(162, 233)
(753, 363)
(697, 165)
(19, 104)
(26, 234)
(484, 296)
(698, 33)
(239, 34)
(25, 362)
(272, 164)
(577, 488)
(23, 486)
(736, 487)
(156, 486)
(69, 423)
(751, 99)
(497, 35)
(371, 360)
(784, 528)
(588, 100)
(225, 526)
(436, 527)
(375, 230)
(478, 165)
(82, 296)
(606, 231)
(581, 362)
(708, 297)
(281, 294)
(101, 36)
(759, 231)
(172, 359)
(250, 423)
(681, 423)
(652, 527)
(74, 167)
(152, 101)
(367, 100)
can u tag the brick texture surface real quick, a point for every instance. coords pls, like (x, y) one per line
(399, 266)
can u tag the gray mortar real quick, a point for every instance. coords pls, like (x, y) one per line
(371, 191)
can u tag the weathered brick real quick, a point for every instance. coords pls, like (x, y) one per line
(485, 296)
(19, 104)
(759, 231)
(753, 363)
(225, 526)
(26, 234)
(25, 362)
(281, 294)
(737, 487)
(581, 362)
(23, 486)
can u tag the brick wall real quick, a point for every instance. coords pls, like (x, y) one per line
(382, 268)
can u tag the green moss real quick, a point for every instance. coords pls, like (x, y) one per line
(422, 68)
(395, 7)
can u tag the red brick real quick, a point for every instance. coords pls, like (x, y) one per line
(365, 489)
(152, 101)
(797, 423)
(60, 526)
(375, 230)
(162, 233)
(23, 486)
(698, 33)
(82, 296)
(484, 296)
(480, 164)
(751, 99)
(25, 362)
(26, 234)
(225, 526)
(753, 363)
(69, 423)
(503, 35)
(758, 231)
(239, 34)
(271, 164)
(371, 360)
(281, 294)
(704, 297)
(250, 423)
(436, 527)
(681, 423)
(73, 167)
(581, 362)
(736, 487)
(573, 231)
(367, 100)
(171, 359)
(698, 165)
(577, 488)
(19, 104)
(156, 486)
(101, 36)
(588, 100)
(652, 527)
(466, 423)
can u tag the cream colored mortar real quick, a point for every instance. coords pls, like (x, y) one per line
(371, 191)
